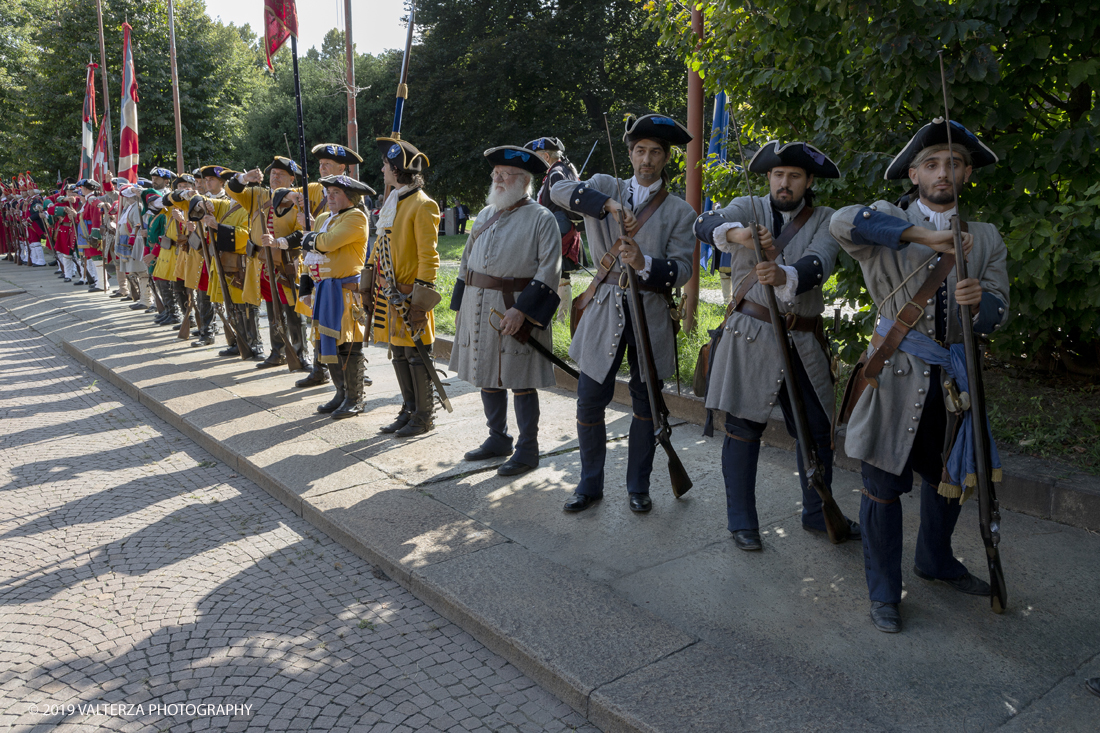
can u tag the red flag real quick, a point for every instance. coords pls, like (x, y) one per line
(128, 145)
(280, 22)
(100, 171)
(87, 136)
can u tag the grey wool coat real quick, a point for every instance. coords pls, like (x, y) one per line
(522, 243)
(666, 237)
(746, 369)
(884, 422)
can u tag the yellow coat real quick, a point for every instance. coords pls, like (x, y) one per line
(166, 260)
(257, 201)
(230, 214)
(343, 250)
(413, 239)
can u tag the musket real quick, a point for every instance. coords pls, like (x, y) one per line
(524, 337)
(402, 85)
(588, 158)
(836, 524)
(662, 431)
(231, 314)
(281, 322)
(989, 514)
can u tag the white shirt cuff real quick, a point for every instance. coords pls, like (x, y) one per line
(720, 236)
(644, 272)
(787, 292)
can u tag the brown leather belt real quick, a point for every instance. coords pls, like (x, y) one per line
(506, 285)
(794, 322)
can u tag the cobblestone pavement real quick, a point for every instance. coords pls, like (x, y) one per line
(145, 586)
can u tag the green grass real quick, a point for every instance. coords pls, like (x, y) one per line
(450, 247)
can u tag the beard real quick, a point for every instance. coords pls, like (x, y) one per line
(504, 196)
(789, 204)
(932, 196)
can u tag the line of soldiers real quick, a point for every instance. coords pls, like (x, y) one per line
(508, 291)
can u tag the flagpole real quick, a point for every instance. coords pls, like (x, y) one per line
(301, 132)
(175, 88)
(353, 123)
(106, 96)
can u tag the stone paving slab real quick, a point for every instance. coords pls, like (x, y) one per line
(551, 591)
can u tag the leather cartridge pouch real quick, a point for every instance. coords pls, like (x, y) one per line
(366, 280)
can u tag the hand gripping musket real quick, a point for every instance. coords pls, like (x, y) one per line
(278, 309)
(989, 514)
(231, 314)
(662, 431)
(836, 524)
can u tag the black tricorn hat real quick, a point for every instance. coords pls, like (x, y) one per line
(935, 133)
(339, 153)
(656, 127)
(347, 183)
(516, 157)
(91, 183)
(285, 164)
(217, 171)
(402, 154)
(796, 154)
(187, 177)
(546, 143)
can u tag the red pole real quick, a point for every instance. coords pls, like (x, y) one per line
(694, 170)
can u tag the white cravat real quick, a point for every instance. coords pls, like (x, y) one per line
(639, 194)
(389, 209)
(940, 219)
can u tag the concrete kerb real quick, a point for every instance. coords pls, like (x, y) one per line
(550, 674)
(1031, 486)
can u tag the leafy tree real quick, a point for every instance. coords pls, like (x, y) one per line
(857, 77)
(496, 72)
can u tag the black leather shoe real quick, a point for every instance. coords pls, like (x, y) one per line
(580, 502)
(151, 309)
(230, 351)
(68, 279)
(208, 341)
(314, 378)
(367, 381)
(139, 306)
(964, 584)
(640, 503)
(480, 454)
(269, 362)
(94, 289)
(748, 540)
(514, 468)
(1093, 686)
(885, 617)
(853, 531)
(116, 294)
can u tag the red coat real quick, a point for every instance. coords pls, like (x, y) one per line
(91, 218)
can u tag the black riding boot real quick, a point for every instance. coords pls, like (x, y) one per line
(296, 331)
(353, 383)
(336, 370)
(421, 420)
(408, 392)
(276, 357)
(317, 373)
(252, 330)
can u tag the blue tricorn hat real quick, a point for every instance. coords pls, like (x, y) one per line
(347, 183)
(161, 173)
(935, 133)
(285, 164)
(796, 154)
(516, 157)
(338, 153)
(656, 127)
(402, 154)
(546, 143)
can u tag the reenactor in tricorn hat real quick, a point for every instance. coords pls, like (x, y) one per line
(509, 272)
(899, 424)
(661, 253)
(552, 152)
(745, 379)
(406, 262)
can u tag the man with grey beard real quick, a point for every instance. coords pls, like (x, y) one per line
(506, 294)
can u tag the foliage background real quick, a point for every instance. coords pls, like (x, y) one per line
(858, 77)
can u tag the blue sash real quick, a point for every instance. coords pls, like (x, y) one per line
(960, 464)
(328, 313)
